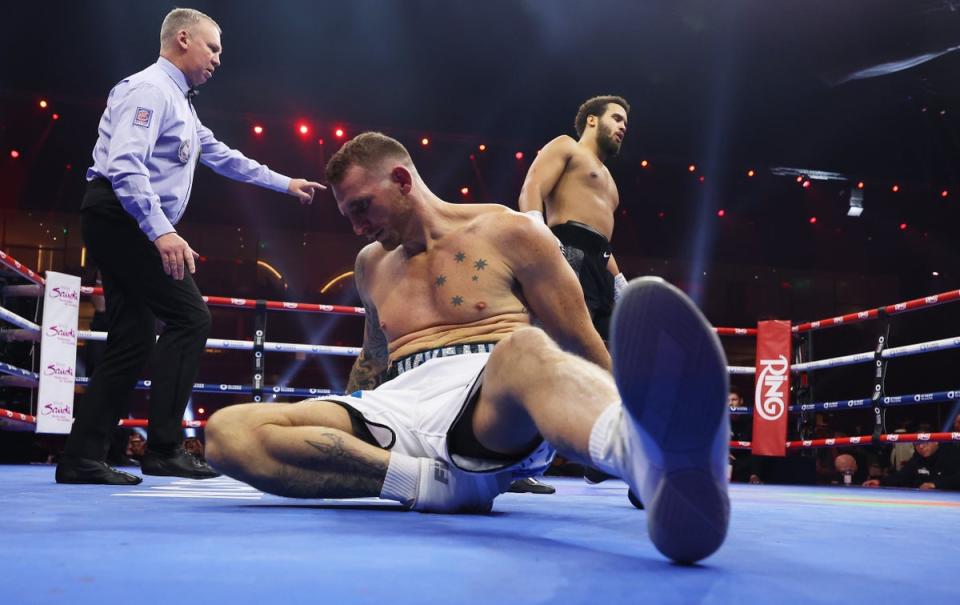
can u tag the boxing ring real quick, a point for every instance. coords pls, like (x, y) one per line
(222, 541)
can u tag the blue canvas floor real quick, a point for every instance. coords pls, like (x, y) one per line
(219, 541)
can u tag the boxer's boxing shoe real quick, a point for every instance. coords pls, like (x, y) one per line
(672, 376)
(446, 489)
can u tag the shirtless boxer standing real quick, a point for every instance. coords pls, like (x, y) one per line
(569, 186)
(442, 283)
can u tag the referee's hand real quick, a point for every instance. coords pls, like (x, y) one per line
(175, 252)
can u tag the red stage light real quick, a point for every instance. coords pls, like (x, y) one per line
(339, 132)
(895, 188)
(14, 153)
(944, 193)
(903, 226)
(692, 167)
(258, 129)
(482, 147)
(806, 184)
(518, 155)
(702, 178)
(860, 185)
(55, 116)
(661, 214)
(464, 191)
(813, 220)
(721, 213)
(319, 141)
(201, 411)
(424, 141)
(799, 179)
(303, 129)
(644, 163)
(43, 103)
(750, 173)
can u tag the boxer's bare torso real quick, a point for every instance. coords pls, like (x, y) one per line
(585, 191)
(461, 289)
(471, 283)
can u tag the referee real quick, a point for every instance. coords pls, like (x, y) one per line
(150, 140)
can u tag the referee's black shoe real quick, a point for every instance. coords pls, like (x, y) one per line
(180, 463)
(85, 471)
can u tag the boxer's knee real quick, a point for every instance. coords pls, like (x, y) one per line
(526, 344)
(231, 437)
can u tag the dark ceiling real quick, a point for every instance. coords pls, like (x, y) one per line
(723, 84)
(748, 80)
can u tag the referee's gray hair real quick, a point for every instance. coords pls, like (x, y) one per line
(179, 19)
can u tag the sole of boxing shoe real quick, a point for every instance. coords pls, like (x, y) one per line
(672, 376)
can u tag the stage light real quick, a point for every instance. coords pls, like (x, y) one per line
(258, 129)
(856, 203)
(319, 141)
(721, 213)
(799, 179)
(895, 188)
(813, 220)
(424, 141)
(692, 167)
(806, 184)
(661, 214)
(903, 226)
(644, 163)
(43, 103)
(339, 133)
(482, 147)
(944, 193)
(14, 153)
(860, 185)
(518, 155)
(303, 129)
(55, 116)
(464, 191)
(702, 178)
(750, 173)
(201, 411)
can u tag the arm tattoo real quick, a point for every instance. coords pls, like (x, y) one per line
(368, 371)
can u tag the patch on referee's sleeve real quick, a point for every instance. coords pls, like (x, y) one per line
(143, 117)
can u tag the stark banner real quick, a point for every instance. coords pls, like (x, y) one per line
(58, 353)
(771, 395)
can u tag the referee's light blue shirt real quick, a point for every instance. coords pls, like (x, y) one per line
(150, 137)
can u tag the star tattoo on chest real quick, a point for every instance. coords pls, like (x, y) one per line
(442, 279)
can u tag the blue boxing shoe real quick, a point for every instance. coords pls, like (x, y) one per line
(672, 376)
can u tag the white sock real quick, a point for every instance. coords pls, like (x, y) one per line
(403, 479)
(607, 448)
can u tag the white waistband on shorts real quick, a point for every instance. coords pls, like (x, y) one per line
(405, 364)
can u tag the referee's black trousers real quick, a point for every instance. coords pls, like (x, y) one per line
(137, 293)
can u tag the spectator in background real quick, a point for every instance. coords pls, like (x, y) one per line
(136, 446)
(744, 467)
(901, 452)
(848, 471)
(933, 466)
(194, 446)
